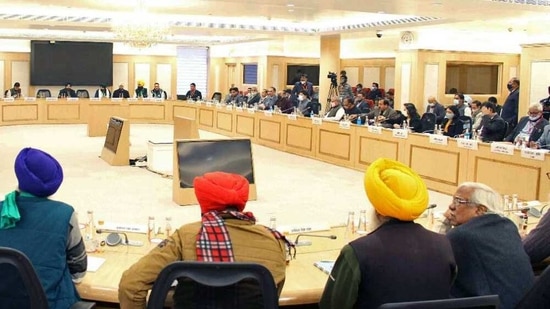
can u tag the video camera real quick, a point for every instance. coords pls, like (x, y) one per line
(333, 78)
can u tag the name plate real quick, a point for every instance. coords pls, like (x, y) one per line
(346, 125)
(439, 139)
(400, 133)
(239, 109)
(9, 99)
(291, 117)
(268, 113)
(535, 154)
(30, 99)
(199, 103)
(466, 143)
(132, 99)
(144, 99)
(250, 110)
(317, 121)
(502, 148)
(218, 106)
(51, 99)
(375, 129)
(95, 99)
(229, 107)
(210, 104)
(116, 99)
(157, 100)
(72, 99)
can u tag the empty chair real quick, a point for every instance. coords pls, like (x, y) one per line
(478, 302)
(43, 93)
(466, 124)
(82, 93)
(212, 276)
(19, 275)
(428, 121)
(217, 96)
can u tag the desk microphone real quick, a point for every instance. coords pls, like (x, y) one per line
(308, 243)
(113, 238)
(286, 110)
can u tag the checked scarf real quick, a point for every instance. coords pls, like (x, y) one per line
(213, 241)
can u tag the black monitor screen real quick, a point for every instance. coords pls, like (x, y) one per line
(113, 134)
(54, 63)
(197, 157)
(293, 73)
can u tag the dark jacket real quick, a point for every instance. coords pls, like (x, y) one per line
(67, 93)
(455, 128)
(493, 128)
(402, 261)
(298, 87)
(490, 259)
(141, 92)
(197, 95)
(121, 93)
(535, 134)
(353, 111)
(510, 108)
(438, 110)
(42, 236)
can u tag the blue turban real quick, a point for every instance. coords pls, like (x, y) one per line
(38, 173)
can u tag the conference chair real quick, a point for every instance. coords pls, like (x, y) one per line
(466, 124)
(217, 96)
(18, 274)
(43, 93)
(428, 121)
(539, 295)
(6, 93)
(478, 302)
(82, 93)
(214, 275)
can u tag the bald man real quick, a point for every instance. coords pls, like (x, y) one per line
(436, 108)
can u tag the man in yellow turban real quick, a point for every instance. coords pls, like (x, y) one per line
(141, 91)
(400, 260)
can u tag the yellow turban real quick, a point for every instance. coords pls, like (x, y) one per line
(141, 83)
(395, 190)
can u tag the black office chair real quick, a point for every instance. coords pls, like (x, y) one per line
(43, 93)
(466, 124)
(82, 93)
(214, 275)
(428, 121)
(217, 96)
(18, 274)
(539, 295)
(478, 302)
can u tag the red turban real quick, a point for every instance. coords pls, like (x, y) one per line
(218, 191)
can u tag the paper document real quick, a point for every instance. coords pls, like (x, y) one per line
(325, 266)
(94, 263)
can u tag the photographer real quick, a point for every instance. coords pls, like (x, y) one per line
(546, 106)
(302, 85)
(344, 89)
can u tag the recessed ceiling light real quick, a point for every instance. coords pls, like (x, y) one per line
(290, 5)
(291, 10)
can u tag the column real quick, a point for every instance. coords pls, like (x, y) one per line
(329, 62)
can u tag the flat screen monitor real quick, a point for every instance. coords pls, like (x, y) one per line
(55, 63)
(197, 157)
(113, 134)
(293, 73)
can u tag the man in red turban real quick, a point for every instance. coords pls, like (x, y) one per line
(225, 234)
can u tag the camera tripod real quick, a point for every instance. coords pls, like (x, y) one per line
(333, 91)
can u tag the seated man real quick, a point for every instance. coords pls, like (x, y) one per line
(121, 92)
(382, 113)
(477, 115)
(222, 198)
(361, 103)
(400, 260)
(487, 247)
(351, 111)
(102, 92)
(537, 242)
(46, 231)
(14, 92)
(253, 96)
(336, 111)
(67, 92)
(493, 127)
(436, 108)
(234, 97)
(140, 91)
(284, 103)
(193, 93)
(158, 93)
(530, 127)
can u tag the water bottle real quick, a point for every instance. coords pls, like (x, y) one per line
(89, 241)
(350, 229)
(168, 226)
(467, 135)
(362, 226)
(405, 124)
(273, 222)
(359, 122)
(151, 228)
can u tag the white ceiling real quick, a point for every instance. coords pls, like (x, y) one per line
(213, 22)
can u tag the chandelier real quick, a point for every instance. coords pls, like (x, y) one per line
(140, 29)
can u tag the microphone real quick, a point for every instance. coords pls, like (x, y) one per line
(308, 243)
(115, 240)
(286, 110)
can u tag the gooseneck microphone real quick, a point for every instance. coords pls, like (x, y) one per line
(308, 243)
(113, 238)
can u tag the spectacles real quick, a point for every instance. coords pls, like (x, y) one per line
(533, 114)
(458, 201)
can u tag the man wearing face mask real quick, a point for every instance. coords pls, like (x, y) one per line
(530, 127)
(436, 108)
(344, 88)
(374, 93)
(302, 85)
(493, 127)
(463, 109)
(336, 111)
(510, 107)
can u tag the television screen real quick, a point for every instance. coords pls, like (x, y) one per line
(54, 63)
(113, 134)
(293, 73)
(197, 157)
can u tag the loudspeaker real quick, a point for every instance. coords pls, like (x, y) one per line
(113, 239)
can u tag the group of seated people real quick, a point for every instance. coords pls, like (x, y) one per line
(481, 253)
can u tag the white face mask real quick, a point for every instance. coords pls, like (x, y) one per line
(449, 115)
(301, 97)
(455, 101)
(534, 118)
(431, 104)
(333, 104)
(303, 82)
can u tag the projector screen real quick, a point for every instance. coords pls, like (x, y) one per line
(197, 157)
(113, 134)
(54, 63)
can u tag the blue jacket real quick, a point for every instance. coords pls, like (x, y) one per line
(42, 235)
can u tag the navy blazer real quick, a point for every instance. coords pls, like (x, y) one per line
(535, 134)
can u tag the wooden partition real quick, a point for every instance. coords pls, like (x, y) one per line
(121, 156)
